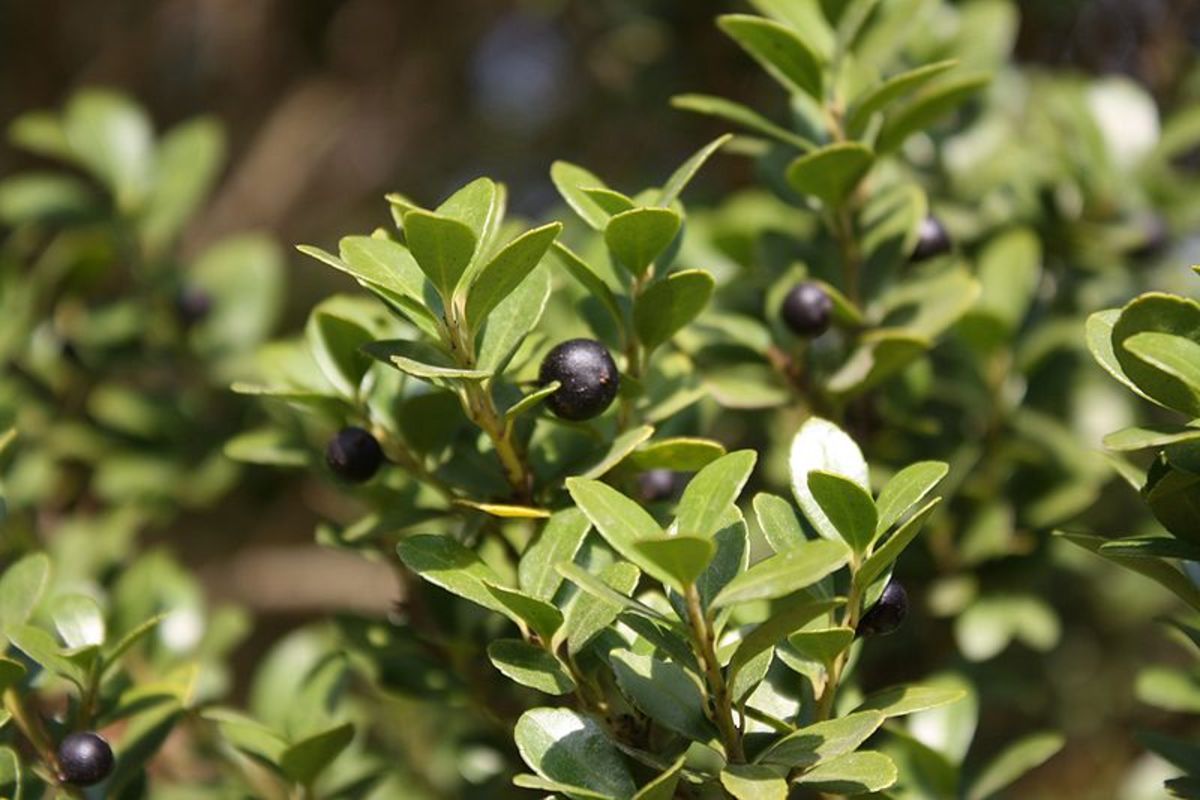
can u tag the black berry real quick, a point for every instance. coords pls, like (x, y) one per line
(588, 376)
(354, 455)
(807, 310)
(886, 615)
(192, 305)
(655, 485)
(932, 240)
(84, 759)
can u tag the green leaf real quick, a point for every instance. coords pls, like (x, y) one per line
(1157, 570)
(786, 617)
(530, 665)
(244, 275)
(44, 650)
(10, 774)
(910, 698)
(883, 94)
(444, 562)
(1150, 436)
(714, 489)
(907, 487)
(822, 742)
(507, 270)
(590, 613)
(542, 618)
(336, 338)
(512, 320)
(1175, 356)
(663, 691)
(539, 783)
(480, 206)
(755, 782)
(805, 17)
(927, 108)
(621, 448)
(852, 774)
(247, 734)
(583, 272)
(1169, 688)
(21, 589)
(571, 180)
(560, 540)
(885, 556)
(269, 446)
(847, 506)
(688, 169)
(132, 637)
(831, 173)
(78, 620)
(602, 590)
(421, 360)
(1153, 547)
(880, 354)
(821, 445)
(530, 401)
(779, 50)
(663, 787)
(822, 645)
(113, 138)
(680, 560)
(186, 167)
(739, 114)
(1029, 753)
(1099, 328)
(564, 746)
(669, 304)
(778, 522)
(11, 673)
(621, 521)
(636, 238)
(679, 453)
(613, 202)
(784, 573)
(376, 261)
(41, 132)
(442, 247)
(305, 760)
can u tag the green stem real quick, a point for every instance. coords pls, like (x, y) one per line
(833, 679)
(722, 702)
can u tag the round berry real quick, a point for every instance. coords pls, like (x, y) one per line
(932, 240)
(807, 310)
(588, 378)
(192, 305)
(655, 485)
(886, 615)
(354, 455)
(84, 759)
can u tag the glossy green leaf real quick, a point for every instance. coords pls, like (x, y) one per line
(480, 206)
(571, 180)
(512, 320)
(530, 401)
(562, 745)
(636, 238)
(1173, 355)
(1019, 758)
(505, 272)
(778, 522)
(612, 201)
(663, 691)
(679, 453)
(831, 173)
(847, 506)
(910, 698)
(560, 540)
(755, 782)
(1150, 436)
(779, 50)
(336, 339)
(907, 487)
(305, 760)
(806, 18)
(44, 650)
(78, 620)
(663, 786)
(1099, 330)
(785, 573)
(247, 734)
(583, 272)
(113, 138)
(787, 616)
(541, 617)
(375, 261)
(821, 445)
(538, 783)
(669, 304)
(21, 589)
(621, 521)
(739, 114)
(421, 360)
(444, 562)
(602, 590)
(678, 560)
(442, 247)
(878, 97)
(590, 613)
(688, 169)
(530, 665)
(712, 491)
(927, 108)
(186, 166)
(11, 774)
(621, 448)
(822, 742)
(880, 354)
(821, 645)
(852, 774)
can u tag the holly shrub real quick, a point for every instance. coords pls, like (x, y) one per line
(751, 499)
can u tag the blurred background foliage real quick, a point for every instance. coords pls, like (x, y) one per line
(328, 104)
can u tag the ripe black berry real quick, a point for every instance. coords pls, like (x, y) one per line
(84, 759)
(588, 376)
(932, 240)
(886, 615)
(807, 310)
(354, 455)
(192, 305)
(656, 484)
